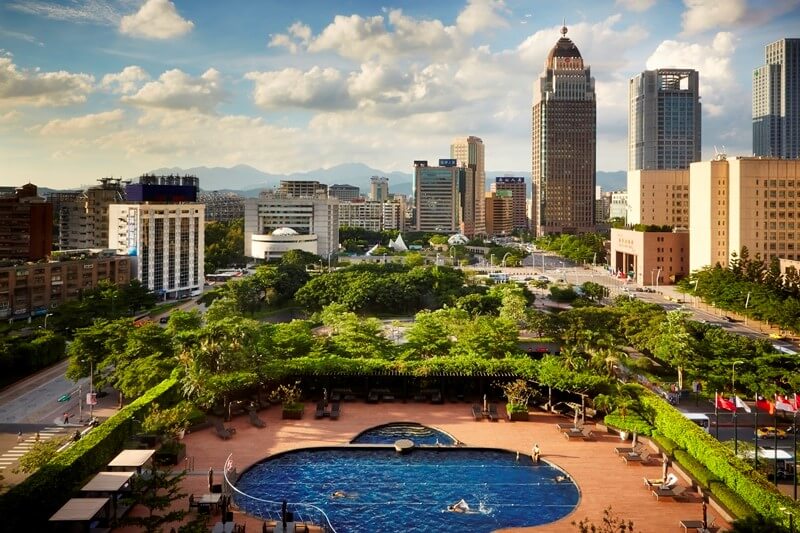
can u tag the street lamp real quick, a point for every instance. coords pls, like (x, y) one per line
(791, 517)
(735, 409)
(794, 453)
(503, 261)
(45, 319)
(491, 259)
(658, 277)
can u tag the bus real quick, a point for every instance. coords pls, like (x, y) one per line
(700, 419)
(498, 277)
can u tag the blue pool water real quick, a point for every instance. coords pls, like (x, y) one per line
(419, 434)
(388, 492)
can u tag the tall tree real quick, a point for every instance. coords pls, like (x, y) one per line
(674, 344)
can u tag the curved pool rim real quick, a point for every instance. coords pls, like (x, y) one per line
(444, 449)
(456, 442)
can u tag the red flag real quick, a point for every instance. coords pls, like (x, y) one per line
(763, 404)
(796, 402)
(722, 403)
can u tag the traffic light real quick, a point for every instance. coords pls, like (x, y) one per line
(65, 398)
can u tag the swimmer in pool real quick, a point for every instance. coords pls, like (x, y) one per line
(460, 506)
(339, 494)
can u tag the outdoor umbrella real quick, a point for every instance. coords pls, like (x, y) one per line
(664, 467)
(210, 477)
(485, 405)
(635, 438)
(575, 422)
(705, 515)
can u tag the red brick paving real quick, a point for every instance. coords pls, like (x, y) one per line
(601, 476)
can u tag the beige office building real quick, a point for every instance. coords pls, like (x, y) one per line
(744, 202)
(499, 213)
(650, 257)
(659, 197)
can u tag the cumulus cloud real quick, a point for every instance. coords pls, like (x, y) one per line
(73, 125)
(156, 19)
(636, 5)
(712, 60)
(77, 11)
(10, 117)
(175, 89)
(316, 88)
(703, 15)
(125, 82)
(481, 15)
(33, 87)
(298, 35)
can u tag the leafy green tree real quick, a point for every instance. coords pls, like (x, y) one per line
(414, 259)
(224, 244)
(488, 337)
(157, 493)
(429, 335)
(300, 258)
(674, 345)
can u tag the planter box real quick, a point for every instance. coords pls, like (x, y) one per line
(292, 414)
(518, 416)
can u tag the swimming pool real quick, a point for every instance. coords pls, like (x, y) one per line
(419, 434)
(379, 490)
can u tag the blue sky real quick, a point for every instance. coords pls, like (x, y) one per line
(93, 88)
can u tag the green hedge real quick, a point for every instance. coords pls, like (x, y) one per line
(665, 443)
(699, 472)
(632, 423)
(739, 475)
(29, 505)
(730, 500)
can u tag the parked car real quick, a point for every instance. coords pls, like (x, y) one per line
(163, 320)
(769, 433)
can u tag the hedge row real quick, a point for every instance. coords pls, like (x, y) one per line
(29, 505)
(699, 472)
(730, 500)
(632, 423)
(665, 443)
(739, 475)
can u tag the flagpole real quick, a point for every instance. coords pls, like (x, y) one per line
(756, 432)
(716, 413)
(775, 448)
(735, 409)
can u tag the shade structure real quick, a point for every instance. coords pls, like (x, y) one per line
(108, 482)
(79, 510)
(131, 458)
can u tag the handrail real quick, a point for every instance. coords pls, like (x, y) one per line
(228, 466)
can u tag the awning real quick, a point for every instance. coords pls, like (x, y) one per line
(108, 482)
(131, 458)
(79, 510)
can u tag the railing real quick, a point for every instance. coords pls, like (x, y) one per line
(272, 510)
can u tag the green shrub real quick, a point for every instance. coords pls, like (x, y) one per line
(730, 500)
(699, 472)
(665, 443)
(28, 506)
(632, 423)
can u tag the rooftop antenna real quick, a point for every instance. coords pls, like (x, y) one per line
(564, 26)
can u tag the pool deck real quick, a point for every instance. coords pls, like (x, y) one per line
(602, 477)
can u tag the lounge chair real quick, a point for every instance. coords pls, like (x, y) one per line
(624, 449)
(564, 426)
(192, 502)
(493, 416)
(675, 493)
(222, 432)
(436, 397)
(578, 433)
(642, 457)
(335, 410)
(255, 420)
(477, 413)
(373, 396)
(320, 412)
(663, 483)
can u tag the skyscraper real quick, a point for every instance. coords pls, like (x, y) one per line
(563, 143)
(378, 189)
(436, 197)
(776, 101)
(470, 152)
(664, 119)
(517, 187)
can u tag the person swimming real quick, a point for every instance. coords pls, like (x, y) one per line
(461, 506)
(339, 494)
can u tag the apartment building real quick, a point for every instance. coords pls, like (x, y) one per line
(344, 193)
(83, 220)
(378, 188)
(499, 213)
(26, 225)
(301, 189)
(367, 215)
(518, 188)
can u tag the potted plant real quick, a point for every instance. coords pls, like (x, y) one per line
(170, 422)
(519, 394)
(289, 397)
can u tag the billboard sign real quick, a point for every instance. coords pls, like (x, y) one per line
(447, 162)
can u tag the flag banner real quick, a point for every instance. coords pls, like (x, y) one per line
(784, 404)
(762, 404)
(741, 405)
(796, 402)
(722, 403)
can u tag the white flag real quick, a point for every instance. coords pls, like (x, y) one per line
(741, 405)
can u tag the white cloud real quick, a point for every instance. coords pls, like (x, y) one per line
(703, 15)
(317, 88)
(70, 126)
(481, 15)
(712, 60)
(298, 35)
(36, 88)
(21, 36)
(127, 81)
(157, 19)
(175, 89)
(77, 11)
(10, 117)
(636, 5)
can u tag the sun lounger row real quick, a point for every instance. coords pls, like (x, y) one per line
(333, 414)
(491, 413)
(223, 432)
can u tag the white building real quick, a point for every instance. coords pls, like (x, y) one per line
(280, 241)
(317, 216)
(618, 207)
(367, 215)
(168, 241)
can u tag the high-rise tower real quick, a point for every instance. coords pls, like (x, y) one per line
(776, 101)
(664, 119)
(470, 152)
(563, 143)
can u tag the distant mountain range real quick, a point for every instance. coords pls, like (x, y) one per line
(248, 181)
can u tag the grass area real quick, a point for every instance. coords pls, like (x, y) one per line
(271, 311)
(161, 308)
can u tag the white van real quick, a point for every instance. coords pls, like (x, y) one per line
(700, 419)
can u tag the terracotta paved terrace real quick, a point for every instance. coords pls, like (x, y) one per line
(601, 476)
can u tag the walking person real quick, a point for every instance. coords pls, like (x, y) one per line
(19, 437)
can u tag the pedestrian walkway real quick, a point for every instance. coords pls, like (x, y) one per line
(23, 446)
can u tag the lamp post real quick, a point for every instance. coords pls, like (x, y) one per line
(45, 319)
(491, 259)
(794, 454)
(735, 409)
(503, 261)
(652, 272)
(746, 303)
(791, 518)
(658, 277)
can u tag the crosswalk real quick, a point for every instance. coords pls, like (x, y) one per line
(7, 459)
